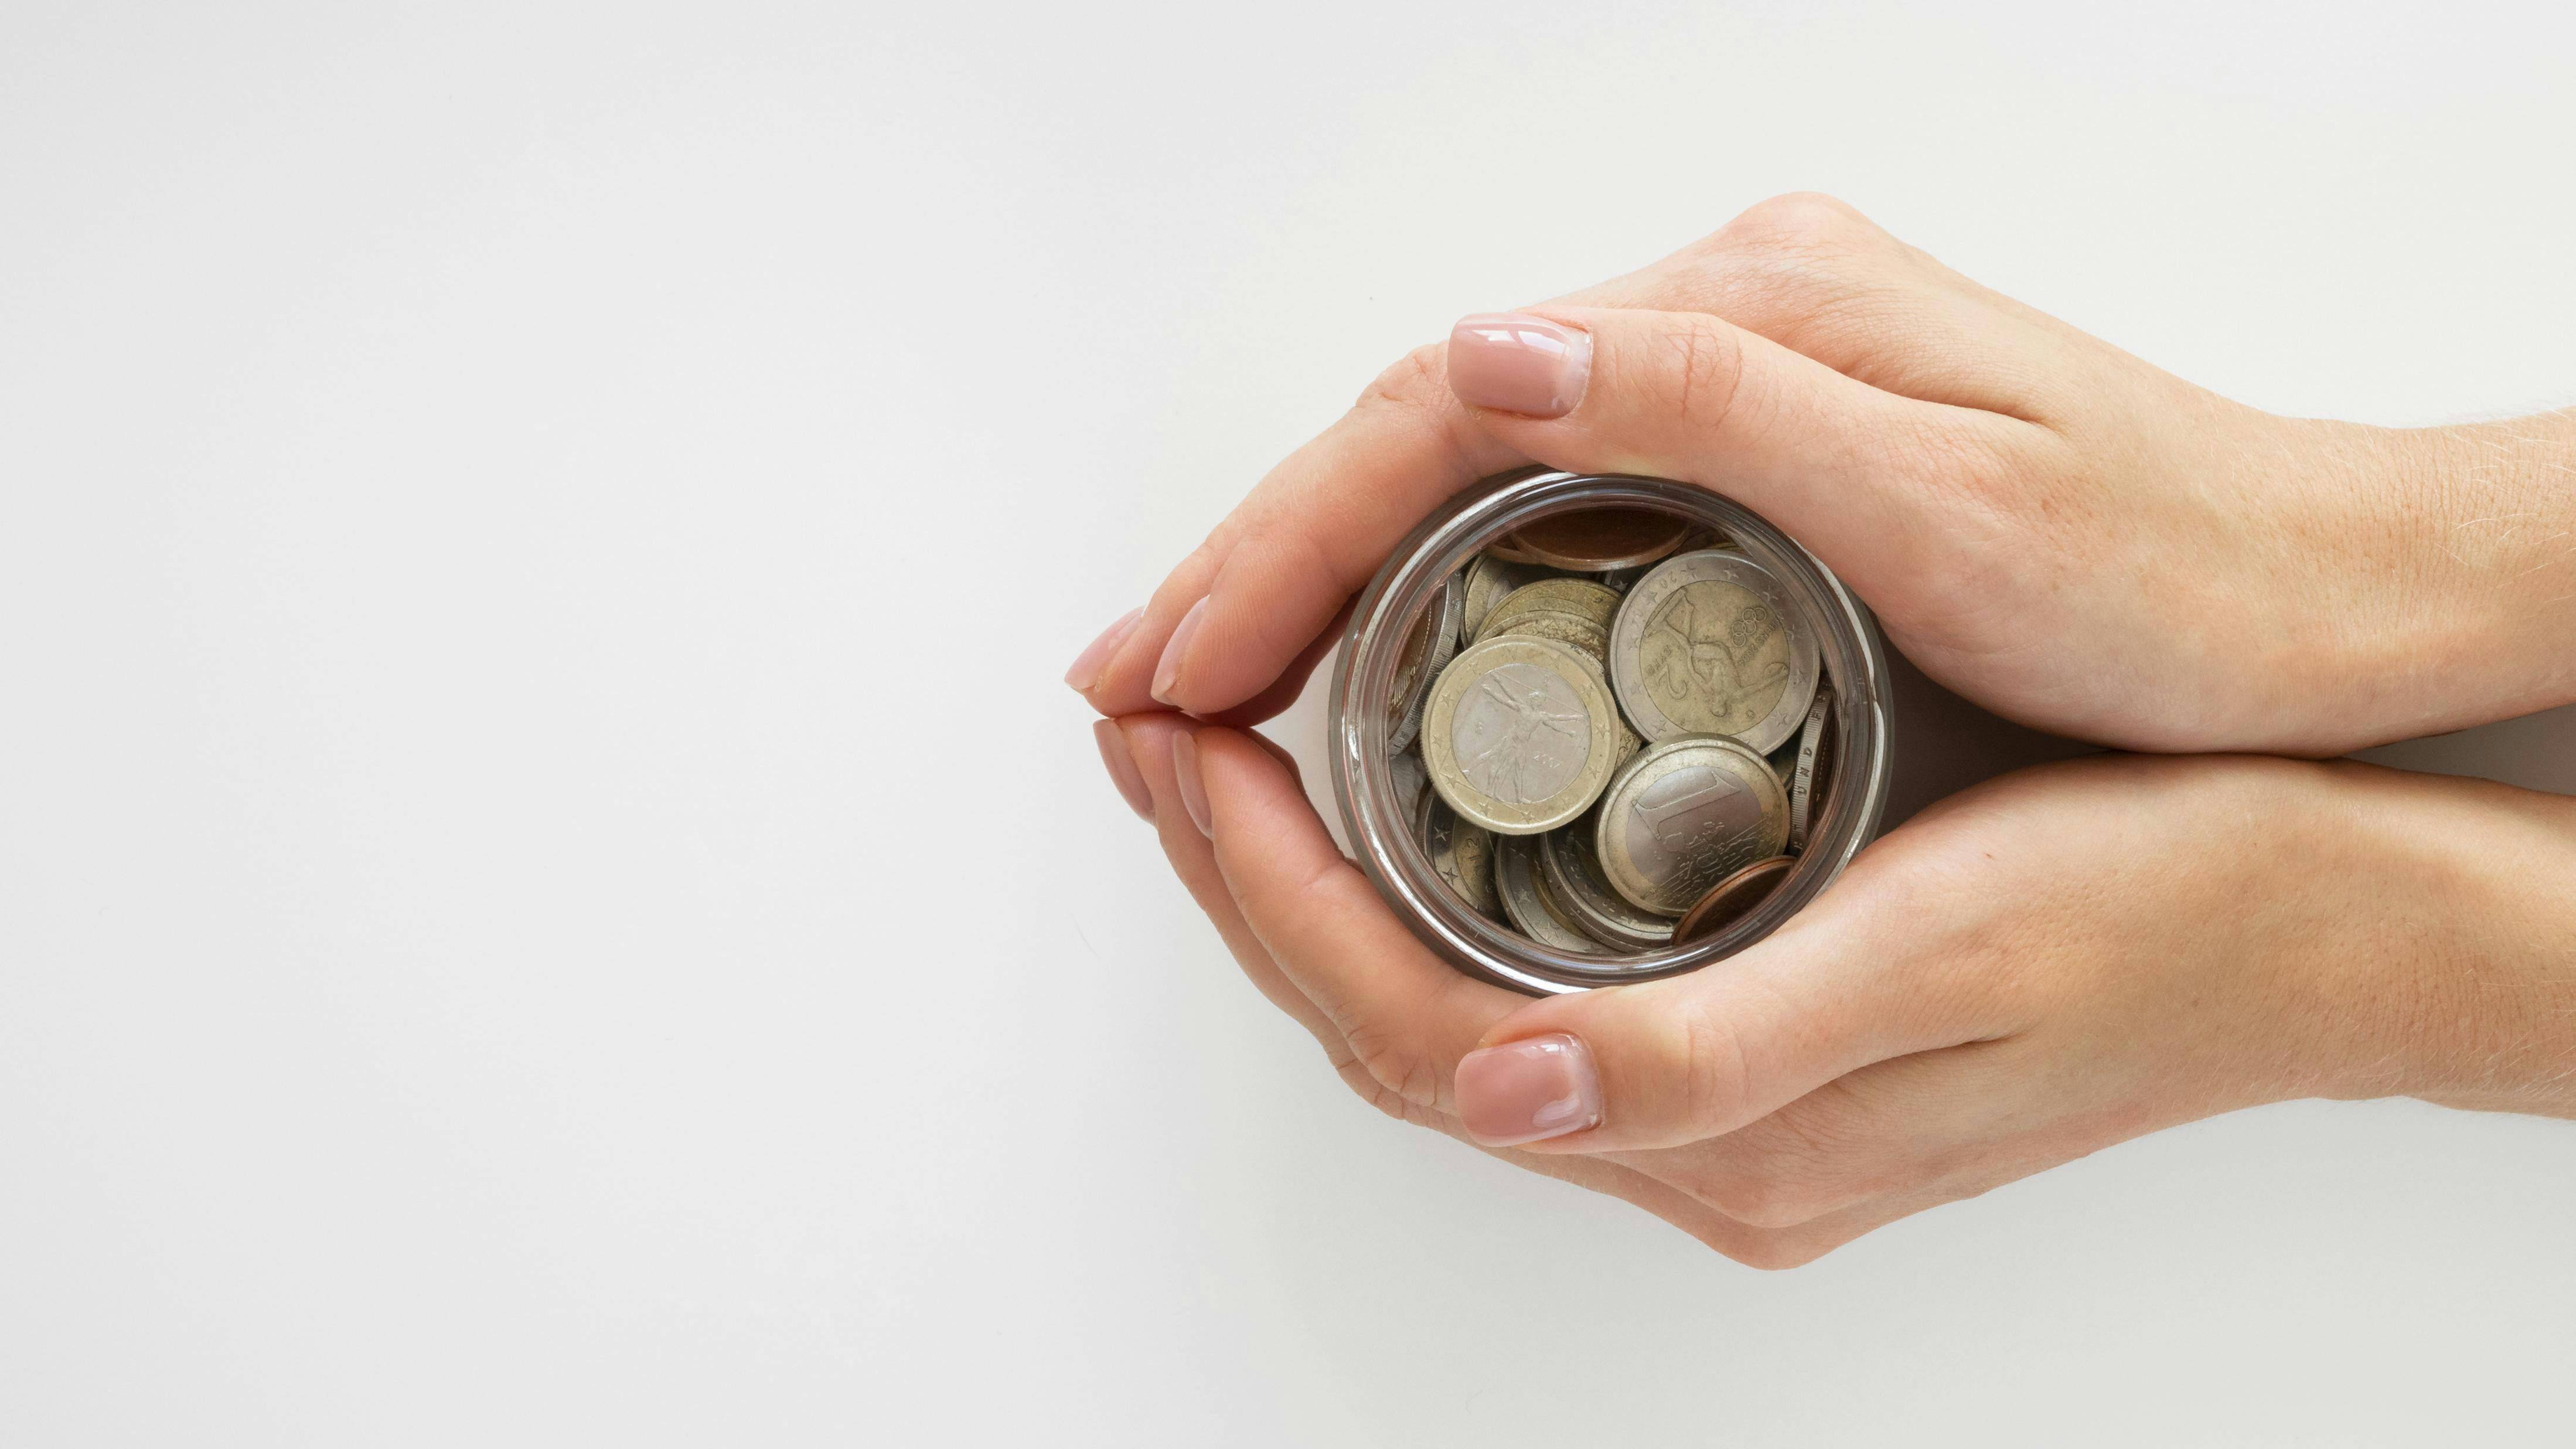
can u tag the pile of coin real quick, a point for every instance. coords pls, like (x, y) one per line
(1611, 731)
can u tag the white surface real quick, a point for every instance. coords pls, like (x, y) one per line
(539, 904)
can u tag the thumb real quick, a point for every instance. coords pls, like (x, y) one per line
(1667, 1062)
(1693, 397)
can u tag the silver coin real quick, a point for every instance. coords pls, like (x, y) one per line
(1429, 647)
(1489, 581)
(1583, 598)
(1683, 815)
(1592, 642)
(1461, 852)
(1412, 782)
(1572, 868)
(1622, 580)
(1711, 643)
(1808, 776)
(1520, 735)
(1531, 907)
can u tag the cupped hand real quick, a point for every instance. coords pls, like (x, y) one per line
(2038, 968)
(2047, 525)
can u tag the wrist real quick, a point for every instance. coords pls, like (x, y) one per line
(2470, 538)
(2456, 981)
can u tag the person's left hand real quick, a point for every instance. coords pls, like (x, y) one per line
(2038, 968)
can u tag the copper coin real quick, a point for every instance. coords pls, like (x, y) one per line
(1731, 899)
(1594, 540)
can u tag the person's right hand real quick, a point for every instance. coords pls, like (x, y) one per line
(2053, 962)
(2047, 525)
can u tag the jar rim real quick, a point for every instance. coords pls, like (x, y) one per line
(1854, 663)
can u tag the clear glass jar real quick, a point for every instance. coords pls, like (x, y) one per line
(1852, 657)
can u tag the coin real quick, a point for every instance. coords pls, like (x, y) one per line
(1428, 647)
(1489, 579)
(1574, 879)
(1527, 900)
(1732, 899)
(1593, 643)
(1592, 540)
(1412, 782)
(1461, 852)
(1571, 630)
(1711, 643)
(1812, 770)
(1583, 598)
(1685, 813)
(1520, 735)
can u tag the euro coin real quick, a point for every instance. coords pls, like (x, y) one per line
(1683, 815)
(1711, 643)
(1520, 735)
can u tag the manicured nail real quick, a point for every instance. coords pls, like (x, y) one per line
(1526, 1091)
(1095, 655)
(1516, 363)
(1185, 773)
(1122, 767)
(1167, 672)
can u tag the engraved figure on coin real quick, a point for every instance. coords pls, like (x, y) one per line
(1499, 767)
(1694, 651)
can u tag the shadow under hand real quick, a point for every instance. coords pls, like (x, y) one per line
(1945, 744)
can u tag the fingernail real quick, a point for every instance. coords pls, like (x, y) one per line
(1095, 655)
(1185, 773)
(1122, 767)
(1167, 672)
(1517, 363)
(1526, 1091)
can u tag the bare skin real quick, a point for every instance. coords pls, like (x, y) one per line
(2040, 967)
(2053, 528)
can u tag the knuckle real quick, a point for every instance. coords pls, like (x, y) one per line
(1417, 379)
(1797, 221)
(1365, 1085)
(1395, 1072)
(1717, 1073)
(1705, 373)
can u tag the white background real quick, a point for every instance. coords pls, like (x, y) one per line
(549, 891)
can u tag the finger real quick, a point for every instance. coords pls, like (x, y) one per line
(1147, 740)
(1855, 473)
(1282, 692)
(1816, 276)
(1866, 974)
(1262, 588)
(1407, 1015)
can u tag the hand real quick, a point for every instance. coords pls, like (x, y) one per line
(2036, 969)
(2044, 523)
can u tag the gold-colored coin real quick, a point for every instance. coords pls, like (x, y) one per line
(1520, 735)
(1583, 598)
(1489, 581)
(1711, 643)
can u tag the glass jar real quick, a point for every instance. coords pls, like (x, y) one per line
(1851, 655)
